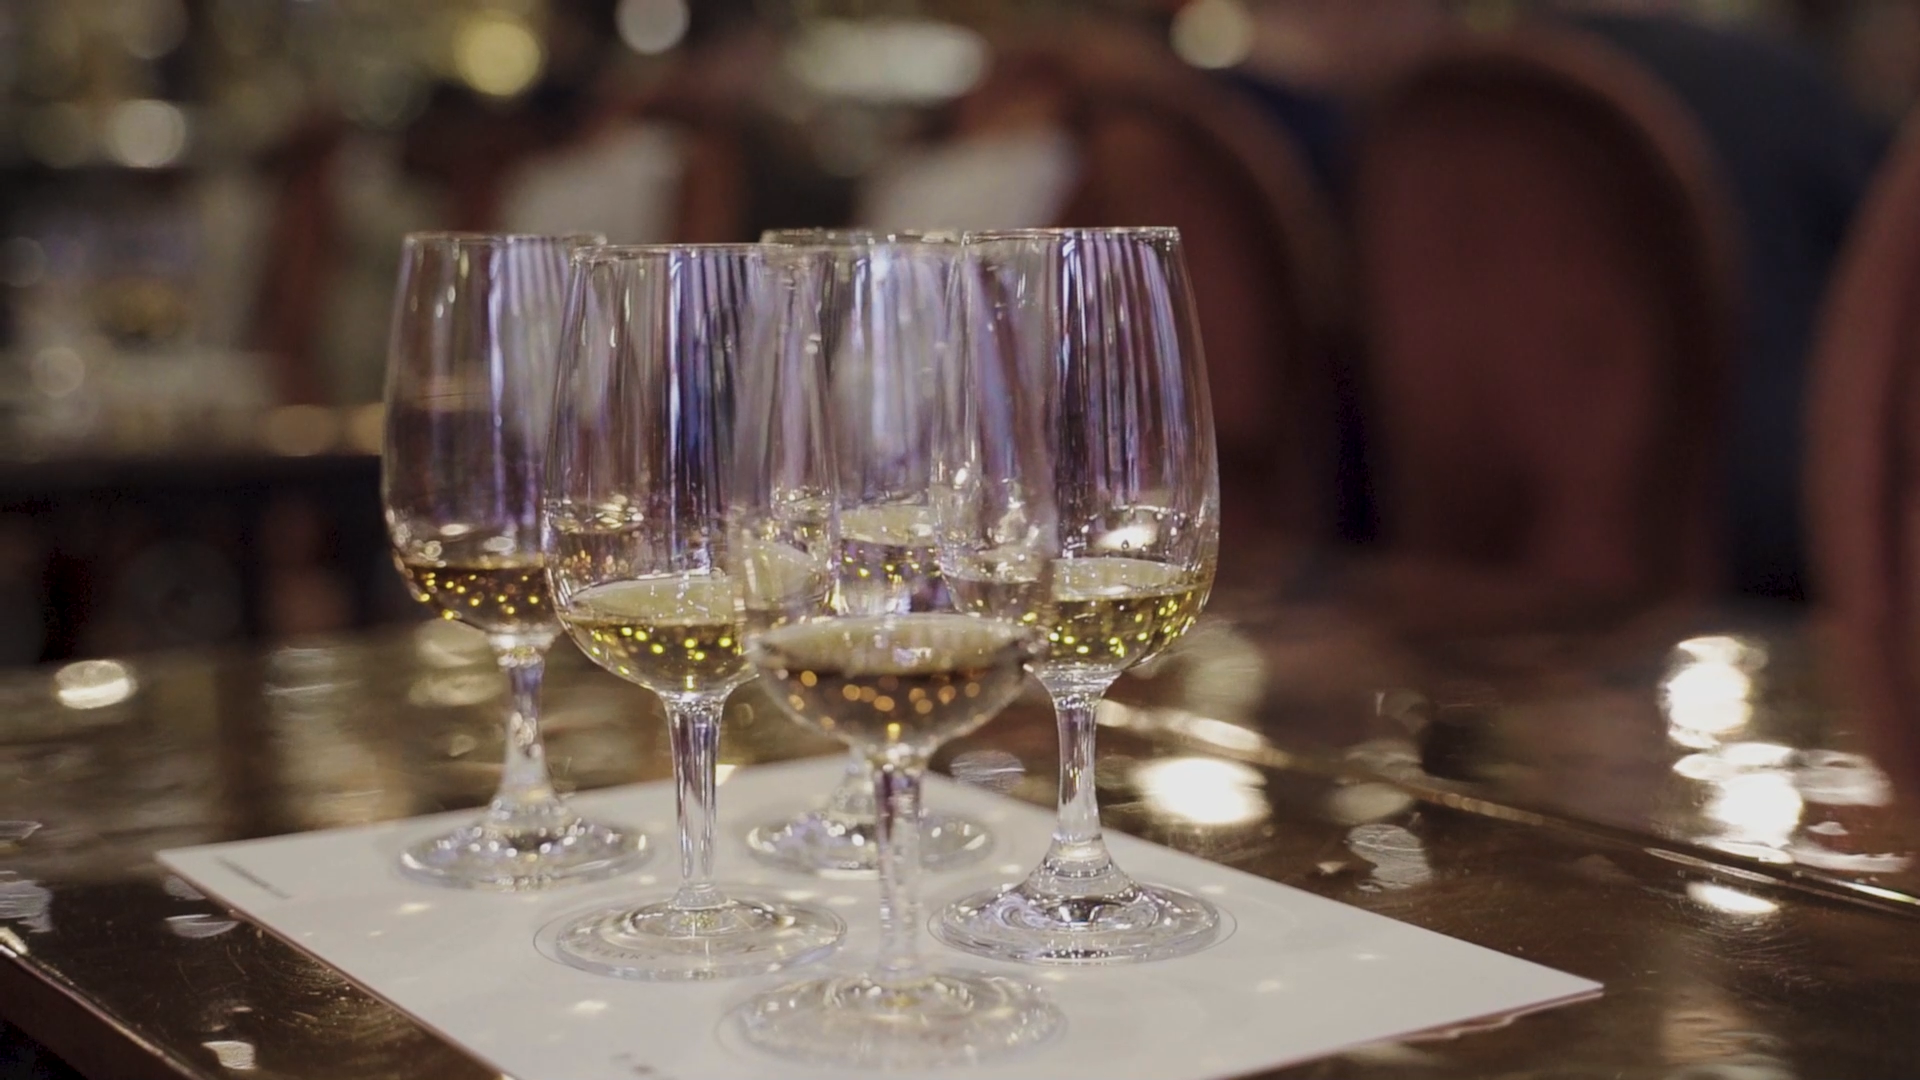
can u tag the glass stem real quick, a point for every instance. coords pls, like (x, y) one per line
(693, 725)
(896, 798)
(851, 802)
(1077, 863)
(525, 787)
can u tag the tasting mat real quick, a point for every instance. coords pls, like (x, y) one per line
(1298, 977)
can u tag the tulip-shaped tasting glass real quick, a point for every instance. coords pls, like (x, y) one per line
(894, 688)
(1094, 330)
(884, 330)
(668, 546)
(470, 371)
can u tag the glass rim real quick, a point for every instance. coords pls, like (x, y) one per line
(858, 251)
(1022, 641)
(856, 238)
(464, 238)
(643, 252)
(1149, 232)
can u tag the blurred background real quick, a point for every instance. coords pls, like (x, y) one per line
(1410, 222)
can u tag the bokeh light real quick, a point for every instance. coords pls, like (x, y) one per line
(93, 684)
(1709, 692)
(1213, 33)
(1204, 791)
(497, 53)
(149, 29)
(1728, 900)
(367, 428)
(651, 27)
(300, 430)
(1758, 810)
(58, 371)
(146, 134)
(900, 61)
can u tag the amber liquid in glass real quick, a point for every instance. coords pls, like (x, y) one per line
(675, 633)
(1100, 612)
(500, 594)
(880, 683)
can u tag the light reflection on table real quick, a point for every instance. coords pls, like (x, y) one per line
(1693, 824)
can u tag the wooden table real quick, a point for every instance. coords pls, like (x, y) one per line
(1686, 825)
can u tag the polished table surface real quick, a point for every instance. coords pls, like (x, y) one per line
(1680, 809)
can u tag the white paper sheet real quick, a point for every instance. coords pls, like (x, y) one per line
(1299, 977)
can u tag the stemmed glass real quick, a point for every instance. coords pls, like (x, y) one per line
(652, 573)
(1098, 327)
(894, 686)
(471, 360)
(885, 335)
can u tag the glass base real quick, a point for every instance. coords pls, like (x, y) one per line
(502, 856)
(948, 1018)
(1135, 923)
(658, 942)
(820, 843)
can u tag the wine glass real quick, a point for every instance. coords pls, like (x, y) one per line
(885, 333)
(471, 360)
(894, 686)
(1097, 326)
(652, 574)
